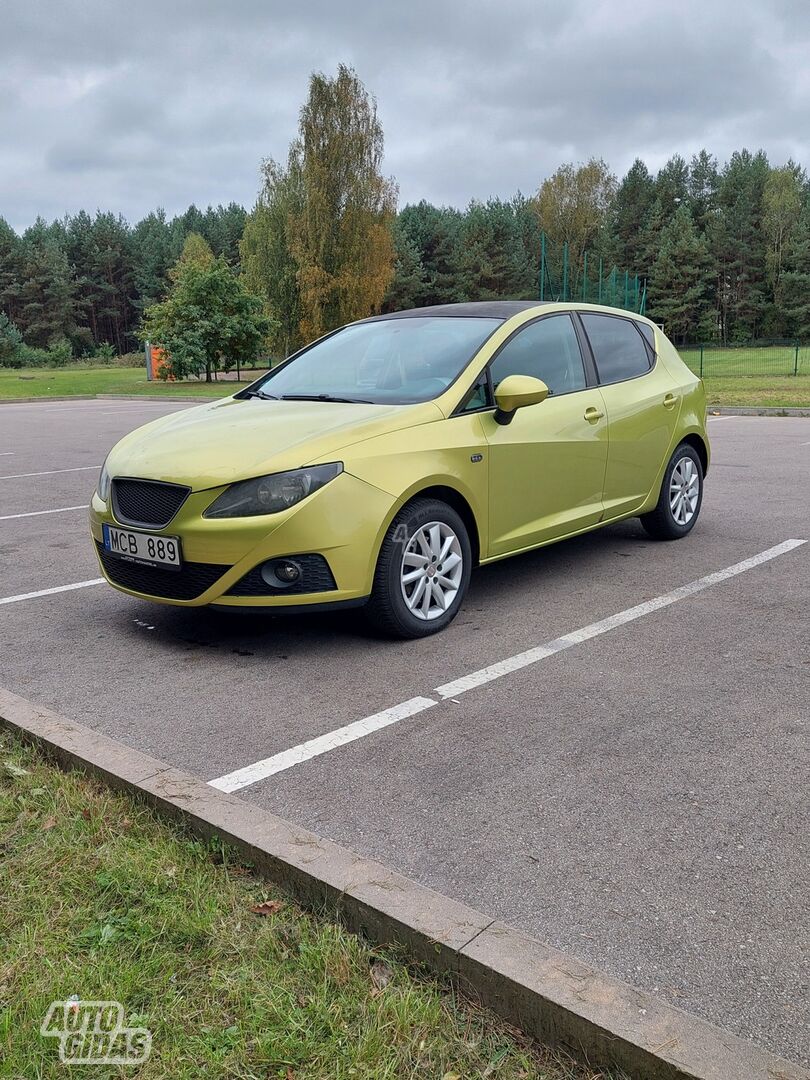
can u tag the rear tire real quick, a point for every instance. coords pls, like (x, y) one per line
(681, 497)
(422, 572)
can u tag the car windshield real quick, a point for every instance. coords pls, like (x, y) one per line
(393, 361)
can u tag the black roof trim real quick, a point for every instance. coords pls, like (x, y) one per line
(482, 309)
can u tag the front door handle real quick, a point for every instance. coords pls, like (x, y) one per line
(670, 401)
(593, 414)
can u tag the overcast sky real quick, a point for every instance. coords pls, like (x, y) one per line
(137, 104)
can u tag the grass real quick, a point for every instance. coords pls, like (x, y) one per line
(100, 898)
(749, 360)
(64, 382)
(723, 389)
(773, 391)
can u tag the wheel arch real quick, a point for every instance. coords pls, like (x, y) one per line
(445, 493)
(698, 444)
(456, 500)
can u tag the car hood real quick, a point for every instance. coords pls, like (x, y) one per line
(236, 439)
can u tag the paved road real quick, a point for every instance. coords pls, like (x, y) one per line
(638, 799)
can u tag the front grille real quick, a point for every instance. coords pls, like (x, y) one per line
(187, 583)
(146, 502)
(315, 577)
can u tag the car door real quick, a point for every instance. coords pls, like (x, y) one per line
(547, 466)
(642, 407)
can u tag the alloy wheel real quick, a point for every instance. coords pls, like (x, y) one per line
(684, 491)
(431, 570)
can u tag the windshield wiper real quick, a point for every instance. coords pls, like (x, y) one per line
(261, 394)
(326, 397)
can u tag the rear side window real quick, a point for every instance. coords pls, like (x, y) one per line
(618, 347)
(547, 349)
(647, 334)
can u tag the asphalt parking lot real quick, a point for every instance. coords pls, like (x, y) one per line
(636, 795)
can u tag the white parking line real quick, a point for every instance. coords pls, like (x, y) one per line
(577, 637)
(49, 592)
(313, 747)
(7, 453)
(48, 472)
(259, 770)
(36, 513)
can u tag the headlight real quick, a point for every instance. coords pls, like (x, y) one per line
(103, 486)
(269, 494)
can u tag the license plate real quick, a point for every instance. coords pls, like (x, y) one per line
(141, 547)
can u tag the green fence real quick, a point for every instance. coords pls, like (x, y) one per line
(588, 280)
(750, 358)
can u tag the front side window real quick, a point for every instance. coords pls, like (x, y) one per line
(393, 361)
(618, 347)
(547, 349)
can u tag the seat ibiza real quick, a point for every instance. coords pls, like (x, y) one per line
(377, 466)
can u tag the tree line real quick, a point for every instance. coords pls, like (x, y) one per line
(79, 285)
(724, 250)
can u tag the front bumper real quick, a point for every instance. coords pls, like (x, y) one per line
(342, 523)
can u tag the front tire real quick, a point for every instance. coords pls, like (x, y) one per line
(423, 571)
(681, 497)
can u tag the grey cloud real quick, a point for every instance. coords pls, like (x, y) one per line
(131, 106)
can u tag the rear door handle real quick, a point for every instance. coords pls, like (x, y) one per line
(670, 401)
(593, 414)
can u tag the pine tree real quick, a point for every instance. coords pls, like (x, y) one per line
(152, 257)
(223, 227)
(680, 278)
(435, 233)
(703, 186)
(11, 272)
(795, 280)
(99, 251)
(741, 246)
(407, 288)
(630, 214)
(672, 185)
(47, 305)
(493, 262)
(529, 235)
(191, 221)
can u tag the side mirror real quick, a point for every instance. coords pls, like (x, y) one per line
(516, 391)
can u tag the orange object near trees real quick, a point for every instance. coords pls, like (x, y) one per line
(159, 366)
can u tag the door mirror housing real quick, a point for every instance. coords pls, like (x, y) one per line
(515, 392)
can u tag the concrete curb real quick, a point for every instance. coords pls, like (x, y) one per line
(546, 993)
(159, 397)
(755, 410)
(36, 400)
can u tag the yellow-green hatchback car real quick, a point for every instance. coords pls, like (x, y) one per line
(379, 465)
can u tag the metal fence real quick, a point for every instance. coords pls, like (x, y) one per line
(782, 357)
(588, 280)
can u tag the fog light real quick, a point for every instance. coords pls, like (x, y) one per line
(281, 573)
(287, 571)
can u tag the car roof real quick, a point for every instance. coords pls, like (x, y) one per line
(482, 309)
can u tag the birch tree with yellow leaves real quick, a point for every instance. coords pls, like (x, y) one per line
(335, 209)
